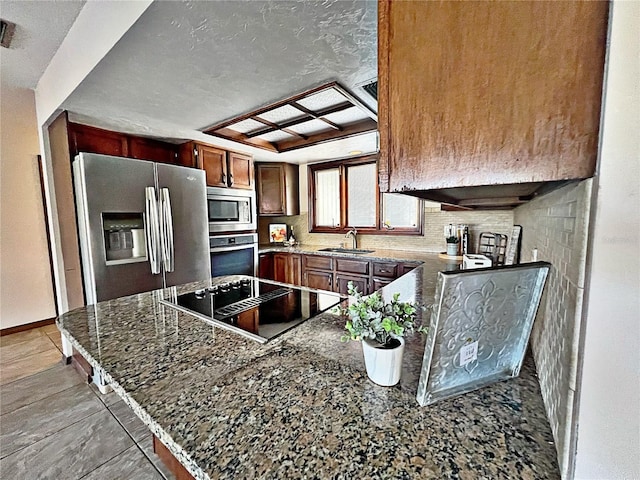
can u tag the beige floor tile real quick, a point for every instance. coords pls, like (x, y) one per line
(56, 338)
(20, 337)
(26, 366)
(16, 351)
(49, 329)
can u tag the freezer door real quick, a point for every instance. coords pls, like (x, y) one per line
(114, 225)
(185, 227)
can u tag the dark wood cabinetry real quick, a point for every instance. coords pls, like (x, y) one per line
(84, 138)
(222, 168)
(481, 94)
(287, 268)
(331, 273)
(241, 169)
(277, 189)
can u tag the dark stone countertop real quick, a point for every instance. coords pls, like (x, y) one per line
(301, 405)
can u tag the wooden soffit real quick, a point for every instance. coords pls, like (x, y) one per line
(319, 115)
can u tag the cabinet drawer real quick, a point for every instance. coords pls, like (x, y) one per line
(407, 267)
(360, 283)
(352, 266)
(387, 270)
(319, 280)
(318, 262)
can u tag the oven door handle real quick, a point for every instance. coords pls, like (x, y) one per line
(232, 248)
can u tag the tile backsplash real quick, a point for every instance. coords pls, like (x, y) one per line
(556, 226)
(495, 221)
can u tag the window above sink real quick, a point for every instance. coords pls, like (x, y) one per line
(344, 194)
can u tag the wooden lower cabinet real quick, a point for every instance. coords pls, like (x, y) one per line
(265, 266)
(361, 283)
(170, 461)
(318, 279)
(331, 273)
(287, 268)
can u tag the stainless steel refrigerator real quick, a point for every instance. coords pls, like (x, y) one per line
(142, 225)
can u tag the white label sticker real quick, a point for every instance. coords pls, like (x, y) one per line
(468, 353)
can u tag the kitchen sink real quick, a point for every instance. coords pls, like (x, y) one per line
(345, 250)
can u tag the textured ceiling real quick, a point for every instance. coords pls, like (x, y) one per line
(40, 28)
(187, 65)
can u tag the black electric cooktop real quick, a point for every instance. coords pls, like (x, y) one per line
(257, 309)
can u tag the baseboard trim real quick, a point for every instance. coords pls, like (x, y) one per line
(27, 326)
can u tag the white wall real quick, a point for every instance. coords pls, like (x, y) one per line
(26, 291)
(609, 406)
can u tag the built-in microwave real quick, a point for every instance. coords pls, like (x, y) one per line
(231, 210)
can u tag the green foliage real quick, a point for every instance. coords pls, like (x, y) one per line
(370, 317)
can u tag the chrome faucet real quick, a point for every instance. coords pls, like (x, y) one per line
(352, 233)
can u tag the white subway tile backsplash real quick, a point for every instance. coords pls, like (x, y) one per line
(556, 224)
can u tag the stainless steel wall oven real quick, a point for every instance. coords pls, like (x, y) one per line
(234, 254)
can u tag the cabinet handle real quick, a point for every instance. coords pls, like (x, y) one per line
(224, 179)
(329, 281)
(231, 179)
(384, 271)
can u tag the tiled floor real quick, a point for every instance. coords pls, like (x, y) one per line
(53, 425)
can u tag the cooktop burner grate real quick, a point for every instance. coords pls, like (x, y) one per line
(248, 303)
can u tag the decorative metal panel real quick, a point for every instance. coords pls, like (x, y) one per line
(479, 328)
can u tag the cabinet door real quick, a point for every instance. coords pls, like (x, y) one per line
(280, 267)
(287, 268)
(240, 173)
(154, 150)
(83, 138)
(361, 283)
(295, 269)
(214, 162)
(265, 266)
(318, 279)
(270, 189)
(492, 108)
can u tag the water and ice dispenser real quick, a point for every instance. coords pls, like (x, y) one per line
(124, 237)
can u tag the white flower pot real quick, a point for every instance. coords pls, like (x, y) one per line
(383, 365)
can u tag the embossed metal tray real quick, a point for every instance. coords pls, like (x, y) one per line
(479, 328)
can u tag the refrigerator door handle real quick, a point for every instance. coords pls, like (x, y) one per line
(153, 228)
(168, 256)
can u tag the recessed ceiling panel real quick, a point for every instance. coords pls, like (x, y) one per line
(316, 116)
(311, 127)
(346, 117)
(246, 126)
(321, 100)
(281, 115)
(276, 136)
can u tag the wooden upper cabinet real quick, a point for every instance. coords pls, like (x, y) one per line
(488, 93)
(240, 170)
(84, 138)
(214, 163)
(150, 149)
(222, 168)
(277, 189)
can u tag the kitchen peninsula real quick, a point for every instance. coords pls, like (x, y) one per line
(301, 406)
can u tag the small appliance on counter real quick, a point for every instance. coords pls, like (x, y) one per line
(470, 261)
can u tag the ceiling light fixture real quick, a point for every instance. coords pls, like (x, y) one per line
(319, 115)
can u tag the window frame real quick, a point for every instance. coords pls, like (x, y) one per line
(342, 166)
